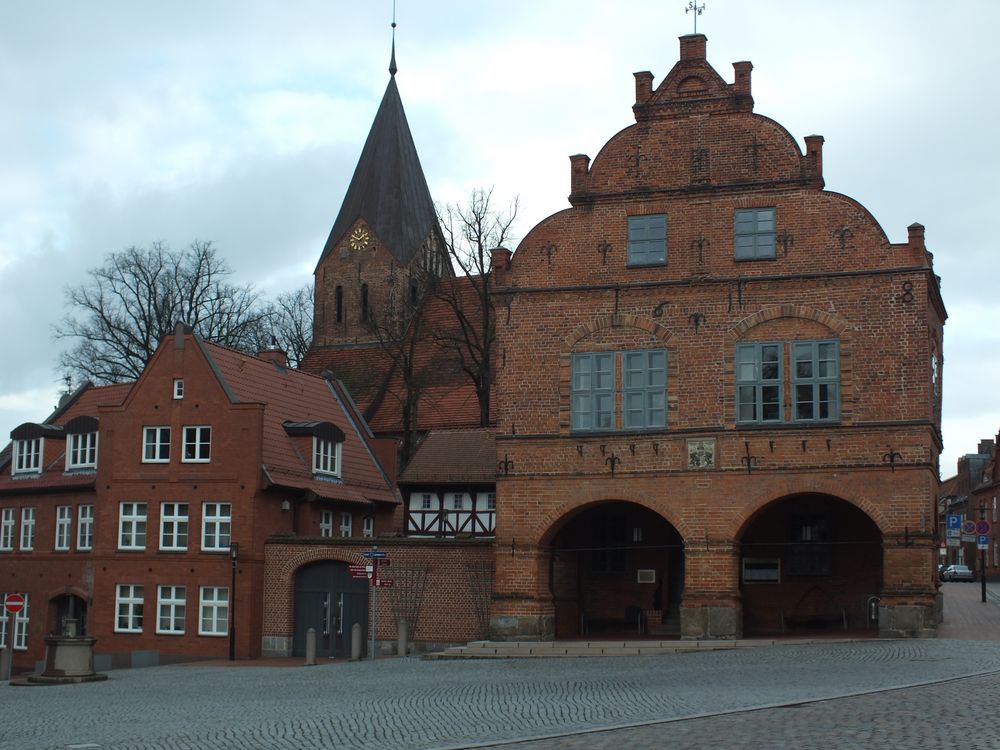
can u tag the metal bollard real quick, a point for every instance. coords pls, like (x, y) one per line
(5, 663)
(311, 647)
(403, 637)
(356, 641)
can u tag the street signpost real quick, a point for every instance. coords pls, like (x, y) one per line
(983, 541)
(384, 583)
(982, 527)
(14, 603)
(358, 571)
(954, 521)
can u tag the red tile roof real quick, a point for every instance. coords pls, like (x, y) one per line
(454, 457)
(294, 396)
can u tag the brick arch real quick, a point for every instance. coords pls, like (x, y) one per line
(619, 320)
(281, 566)
(826, 487)
(557, 518)
(833, 322)
(53, 594)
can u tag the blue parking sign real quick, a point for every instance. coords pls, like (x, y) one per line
(954, 521)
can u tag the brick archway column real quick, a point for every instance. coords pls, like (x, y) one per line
(711, 607)
(909, 605)
(522, 606)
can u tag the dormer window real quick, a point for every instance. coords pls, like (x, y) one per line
(82, 453)
(327, 440)
(27, 456)
(178, 388)
(326, 457)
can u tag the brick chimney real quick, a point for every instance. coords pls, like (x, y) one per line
(643, 86)
(579, 164)
(692, 47)
(915, 236)
(499, 259)
(814, 152)
(275, 355)
(985, 447)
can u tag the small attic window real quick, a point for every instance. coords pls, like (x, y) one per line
(178, 388)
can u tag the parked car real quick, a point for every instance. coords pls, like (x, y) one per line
(957, 573)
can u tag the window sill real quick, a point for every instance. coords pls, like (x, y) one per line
(617, 433)
(751, 260)
(786, 425)
(657, 264)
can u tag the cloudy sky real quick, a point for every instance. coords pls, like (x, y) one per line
(125, 123)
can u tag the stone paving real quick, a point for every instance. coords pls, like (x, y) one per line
(409, 703)
(917, 695)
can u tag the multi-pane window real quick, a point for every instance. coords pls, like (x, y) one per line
(132, 526)
(426, 501)
(809, 553)
(754, 233)
(27, 456)
(178, 388)
(593, 392)
(27, 529)
(7, 529)
(173, 526)
(815, 381)
(643, 391)
(346, 524)
(64, 526)
(647, 240)
(85, 527)
(155, 445)
(326, 523)
(82, 453)
(326, 457)
(491, 501)
(216, 522)
(368, 528)
(129, 599)
(758, 383)
(171, 603)
(21, 620)
(197, 444)
(214, 618)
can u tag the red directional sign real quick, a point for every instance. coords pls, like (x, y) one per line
(385, 583)
(358, 571)
(14, 603)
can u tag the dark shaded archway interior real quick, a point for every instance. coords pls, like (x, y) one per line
(617, 569)
(328, 600)
(809, 563)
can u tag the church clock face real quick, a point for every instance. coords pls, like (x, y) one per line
(359, 238)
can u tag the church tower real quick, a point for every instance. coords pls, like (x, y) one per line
(385, 247)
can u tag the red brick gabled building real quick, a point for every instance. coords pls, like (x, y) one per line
(130, 501)
(720, 405)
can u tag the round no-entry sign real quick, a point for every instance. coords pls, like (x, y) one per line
(14, 603)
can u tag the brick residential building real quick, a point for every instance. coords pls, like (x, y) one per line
(720, 404)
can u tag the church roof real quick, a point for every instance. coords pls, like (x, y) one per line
(388, 189)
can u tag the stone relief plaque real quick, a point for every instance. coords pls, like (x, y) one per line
(701, 453)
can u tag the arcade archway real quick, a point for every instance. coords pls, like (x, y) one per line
(809, 563)
(617, 569)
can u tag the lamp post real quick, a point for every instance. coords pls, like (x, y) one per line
(234, 556)
(982, 554)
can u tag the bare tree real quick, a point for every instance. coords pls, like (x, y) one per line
(287, 324)
(471, 231)
(119, 315)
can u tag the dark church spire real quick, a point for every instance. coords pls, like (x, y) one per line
(392, 59)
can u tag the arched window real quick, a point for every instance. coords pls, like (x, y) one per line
(339, 302)
(364, 302)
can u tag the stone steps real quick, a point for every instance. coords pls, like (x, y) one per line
(555, 649)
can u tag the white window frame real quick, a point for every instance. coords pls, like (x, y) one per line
(64, 527)
(214, 610)
(178, 389)
(7, 522)
(171, 605)
(216, 526)
(197, 447)
(82, 451)
(27, 458)
(346, 525)
(28, 518)
(21, 620)
(326, 457)
(160, 444)
(132, 521)
(326, 523)
(368, 528)
(85, 528)
(174, 526)
(129, 601)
